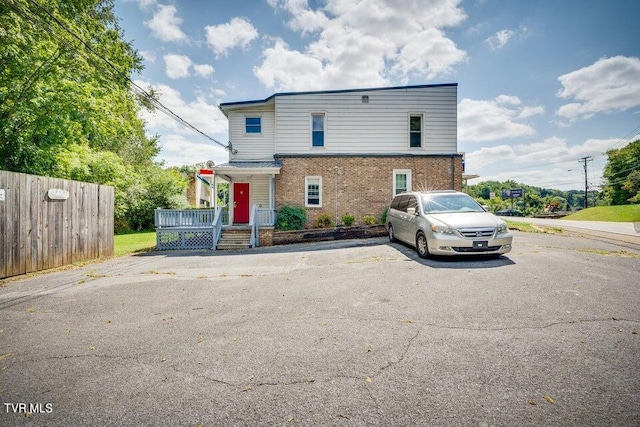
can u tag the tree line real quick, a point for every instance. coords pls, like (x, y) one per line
(67, 108)
(621, 186)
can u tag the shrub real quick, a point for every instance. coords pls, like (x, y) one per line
(291, 218)
(348, 220)
(383, 217)
(324, 221)
(369, 219)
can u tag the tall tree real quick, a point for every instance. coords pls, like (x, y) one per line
(68, 107)
(65, 80)
(622, 175)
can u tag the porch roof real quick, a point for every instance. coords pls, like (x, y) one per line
(244, 168)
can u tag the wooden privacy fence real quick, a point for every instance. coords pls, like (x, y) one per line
(50, 222)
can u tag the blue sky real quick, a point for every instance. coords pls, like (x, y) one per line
(541, 84)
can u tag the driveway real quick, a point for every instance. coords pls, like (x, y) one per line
(347, 333)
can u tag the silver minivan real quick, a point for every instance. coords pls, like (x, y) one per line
(446, 223)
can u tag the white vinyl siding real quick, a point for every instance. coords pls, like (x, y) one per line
(252, 146)
(377, 127)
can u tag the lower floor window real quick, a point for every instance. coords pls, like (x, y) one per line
(313, 193)
(401, 181)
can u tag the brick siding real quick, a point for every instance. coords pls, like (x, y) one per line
(364, 184)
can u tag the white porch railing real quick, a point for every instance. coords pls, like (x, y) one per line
(184, 217)
(217, 227)
(188, 228)
(266, 217)
(260, 218)
(253, 223)
(202, 228)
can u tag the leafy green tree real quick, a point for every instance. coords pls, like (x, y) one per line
(535, 199)
(68, 107)
(632, 185)
(622, 175)
(56, 90)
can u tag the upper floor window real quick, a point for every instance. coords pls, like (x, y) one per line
(318, 124)
(253, 124)
(415, 131)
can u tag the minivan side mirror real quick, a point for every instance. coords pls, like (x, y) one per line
(411, 211)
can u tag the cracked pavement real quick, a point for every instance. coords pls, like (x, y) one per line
(358, 332)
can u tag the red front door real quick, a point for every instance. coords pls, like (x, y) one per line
(241, 202)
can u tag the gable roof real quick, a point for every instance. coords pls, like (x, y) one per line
(230, 105)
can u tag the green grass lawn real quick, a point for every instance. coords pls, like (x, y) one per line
(624, 213)
(125, 244)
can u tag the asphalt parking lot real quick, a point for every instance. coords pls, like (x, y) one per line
(351, 333)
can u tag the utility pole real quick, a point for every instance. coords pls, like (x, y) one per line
(584, 161)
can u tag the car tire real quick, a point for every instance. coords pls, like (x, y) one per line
(421, 245)
(392, 237)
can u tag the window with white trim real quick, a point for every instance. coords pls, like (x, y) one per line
(415, 130)
(313, 191)
(401, 180)
(253, 124)
(318, 127)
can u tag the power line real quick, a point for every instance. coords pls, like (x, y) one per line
(112, 68)
(626, 137)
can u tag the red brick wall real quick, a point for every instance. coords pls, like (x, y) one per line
(364, 184)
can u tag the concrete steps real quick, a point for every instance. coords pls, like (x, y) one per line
(234, 238)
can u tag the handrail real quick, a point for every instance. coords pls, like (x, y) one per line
(184, 217)
(253, 223)
(217, 227)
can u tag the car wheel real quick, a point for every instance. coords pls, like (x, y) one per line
(392, 237)
(421, 245)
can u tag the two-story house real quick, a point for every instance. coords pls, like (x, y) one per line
(341, 151)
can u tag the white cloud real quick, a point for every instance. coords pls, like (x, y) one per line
(237, 33)
(145, 4)
(180, 144)
(364, 43)
(428, 53)
(551, 162)
(499, 40)
(220, 93)
(178, 150)
(303, 19)
(203, 70)
(527, 112)
(610, 84)
(495, 119)
(148, 55)
(165, 25)
(508, 99)
(177, 66)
